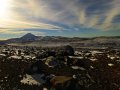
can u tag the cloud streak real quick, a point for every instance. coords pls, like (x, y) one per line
(61, 15)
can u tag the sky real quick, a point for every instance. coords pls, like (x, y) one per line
(70, 18)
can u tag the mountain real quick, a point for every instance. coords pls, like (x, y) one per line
(28, 37)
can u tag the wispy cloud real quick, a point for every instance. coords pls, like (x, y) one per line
(61, 15)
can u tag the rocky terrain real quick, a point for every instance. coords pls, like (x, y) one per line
(59, 68)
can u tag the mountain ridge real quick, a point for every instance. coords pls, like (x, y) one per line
(31, 38)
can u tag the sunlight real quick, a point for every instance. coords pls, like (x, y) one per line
(4, 9)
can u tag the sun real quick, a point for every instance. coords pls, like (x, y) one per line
(4, 9)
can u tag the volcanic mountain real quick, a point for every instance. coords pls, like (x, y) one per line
(28, 37)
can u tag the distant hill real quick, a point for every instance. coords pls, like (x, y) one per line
(2, 42)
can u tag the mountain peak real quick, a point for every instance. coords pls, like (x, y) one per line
(29, 36)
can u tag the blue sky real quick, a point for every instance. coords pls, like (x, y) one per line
(71, 18)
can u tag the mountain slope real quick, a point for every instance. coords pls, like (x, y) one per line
(29, 37)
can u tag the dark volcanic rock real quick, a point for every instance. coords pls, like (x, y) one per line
(69, 50)
(66, 51)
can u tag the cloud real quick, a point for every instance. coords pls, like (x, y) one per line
(61, 15)
(110, 15)
(10, 31)
(100, 15)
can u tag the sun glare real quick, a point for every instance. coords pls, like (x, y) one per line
(4, 9)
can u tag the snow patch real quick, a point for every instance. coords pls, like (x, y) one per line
(93, 59)
(35, 79)
(76, 67)
(15, 57)
(110, 64)
(76, 57)
(112, 58)
(96, 52)
(2, 55)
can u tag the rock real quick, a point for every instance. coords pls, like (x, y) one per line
(66, 51)
(59, 80)
(51, 62)
(69, 50)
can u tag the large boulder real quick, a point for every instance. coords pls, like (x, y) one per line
(59, 80)
(65, 83)
(66, 51)
(38, 67)
(69, 50)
